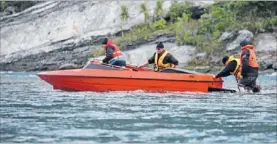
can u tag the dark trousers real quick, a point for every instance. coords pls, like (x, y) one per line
(119, 63)
(249, 82)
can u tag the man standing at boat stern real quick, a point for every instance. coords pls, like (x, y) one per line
(162, 59)
(113, 54)
(249, 66)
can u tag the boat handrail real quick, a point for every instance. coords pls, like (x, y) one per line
(97, 61)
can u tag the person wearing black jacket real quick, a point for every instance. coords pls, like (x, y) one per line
(232, 66)
(250, 66)
(161, 59)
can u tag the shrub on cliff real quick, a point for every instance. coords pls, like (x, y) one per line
(159, 11)
(160, 24)
(144, 10)
(203, 33)
(124, 16)
(18, 5)
(177, 9)
(251, 15)
(3, 5)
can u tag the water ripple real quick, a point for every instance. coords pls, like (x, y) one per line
(31, 112)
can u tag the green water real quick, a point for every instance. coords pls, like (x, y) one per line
(31, 112)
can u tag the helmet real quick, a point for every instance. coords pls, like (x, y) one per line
(245, 42)
(224, 59)
(160, 45)
(104, 41)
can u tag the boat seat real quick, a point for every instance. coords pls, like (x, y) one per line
(176, 70)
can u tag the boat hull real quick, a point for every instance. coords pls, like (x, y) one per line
(126, 80)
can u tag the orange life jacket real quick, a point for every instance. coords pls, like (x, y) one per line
(116, 52)
(252, 61)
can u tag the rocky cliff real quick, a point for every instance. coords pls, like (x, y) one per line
(49, 35)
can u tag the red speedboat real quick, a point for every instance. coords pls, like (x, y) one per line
(102, 77)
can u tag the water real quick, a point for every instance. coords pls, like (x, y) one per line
(31, 112)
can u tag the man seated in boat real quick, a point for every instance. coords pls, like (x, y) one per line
(232, 66)
(113, 53)
(162, 59)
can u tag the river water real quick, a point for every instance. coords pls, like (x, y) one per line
(31, 112)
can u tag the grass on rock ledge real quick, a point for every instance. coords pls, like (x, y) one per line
(204, 32)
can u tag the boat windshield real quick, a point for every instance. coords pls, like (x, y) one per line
(99, 66)
(176, 70)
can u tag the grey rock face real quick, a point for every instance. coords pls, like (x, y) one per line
(200, 56)
(266, 42)
(53, 33)
(39, 28)
(274, 66)
(264, 65)
(242, 34)
(226, 36)
(69, 66)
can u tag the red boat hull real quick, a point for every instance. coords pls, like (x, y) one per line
(127, 80)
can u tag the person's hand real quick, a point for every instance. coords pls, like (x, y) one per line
(214, 77)
(143, 65)
(139, 66)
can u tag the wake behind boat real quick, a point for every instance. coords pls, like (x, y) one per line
(100, 77)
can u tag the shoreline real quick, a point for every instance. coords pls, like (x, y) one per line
(67, 52)
(270, 72)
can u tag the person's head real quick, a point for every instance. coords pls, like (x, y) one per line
(225, 59)
(160, 47)
(245, 42)
(104, 41)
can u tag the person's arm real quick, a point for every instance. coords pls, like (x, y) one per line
(245, 58)
(173, 60)
(150, 61)
(227, 70)
(109, 54)
(144, 64)
(169, 58)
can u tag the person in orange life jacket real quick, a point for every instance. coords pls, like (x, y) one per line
(162, 59)
(113, 54)
(232, 66)
(249, 66)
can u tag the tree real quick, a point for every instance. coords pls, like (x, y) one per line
(144, 10)
(3, 5)
(124, 16)
(180, 28)
(177, 9)
(159, 12)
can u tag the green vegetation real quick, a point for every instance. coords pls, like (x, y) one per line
(124, 16)
(159, 12)
(18, 5)
(177, 10)
(144, 10)
(98, 51)
(160, 24)
(204, 32)
(3, 5)
(142, 32)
